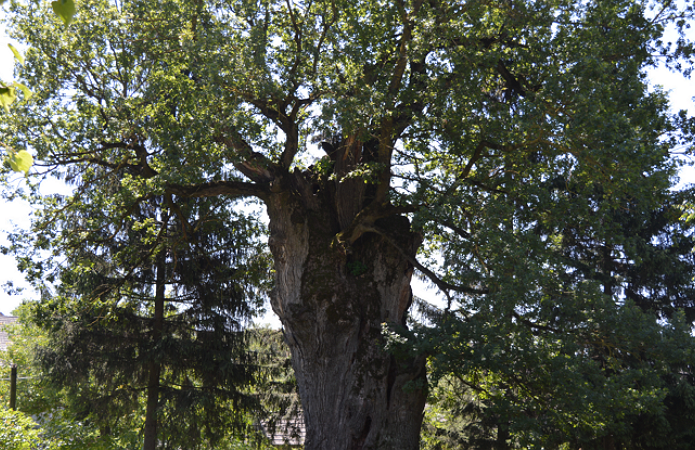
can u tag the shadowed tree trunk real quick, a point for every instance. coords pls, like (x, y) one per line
(332, 300)
(343, 257)
(155, 369)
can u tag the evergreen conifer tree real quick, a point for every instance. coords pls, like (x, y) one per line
(152, 315)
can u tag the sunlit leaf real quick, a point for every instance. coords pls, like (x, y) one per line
(65, 9)
(16, 53)
(21, 161)
(27, 92)
(7, 97)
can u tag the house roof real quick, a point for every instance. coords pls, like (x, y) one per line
(4, 339)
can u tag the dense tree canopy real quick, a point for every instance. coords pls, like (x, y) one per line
(510, 152)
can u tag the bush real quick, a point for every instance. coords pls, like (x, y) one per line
(18, 431)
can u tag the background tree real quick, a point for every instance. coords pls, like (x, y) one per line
(552, 373)
(281, 412)
(457, 139)
(55, 416)
(146, 309)
(42, 419)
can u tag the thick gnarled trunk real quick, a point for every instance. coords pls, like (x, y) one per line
(332, 301)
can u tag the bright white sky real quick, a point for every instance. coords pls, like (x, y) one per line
(17, 214)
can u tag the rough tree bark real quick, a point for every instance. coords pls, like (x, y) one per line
(332, 300)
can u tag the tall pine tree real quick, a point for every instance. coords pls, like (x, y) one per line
(152, 314)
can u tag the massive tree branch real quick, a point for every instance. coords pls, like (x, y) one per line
(254, 165)
(364, 221)
(143, 169)
(441, 284)
(407, 111)
(292, 131)
(534, 325)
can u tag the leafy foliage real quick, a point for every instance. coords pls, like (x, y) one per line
(21, 161)
(591, 353)
(18, 431)
(62, 424)
(520, 139)
(65, 9)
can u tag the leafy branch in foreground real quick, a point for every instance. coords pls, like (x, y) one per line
(21, 160)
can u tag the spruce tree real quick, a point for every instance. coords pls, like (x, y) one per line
(151, 316)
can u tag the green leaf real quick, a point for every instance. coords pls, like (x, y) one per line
(7, 97)
(27, 92)
(17, 55)
(65, 9)
(21, 161)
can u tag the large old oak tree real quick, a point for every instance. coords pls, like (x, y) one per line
(499, 148)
